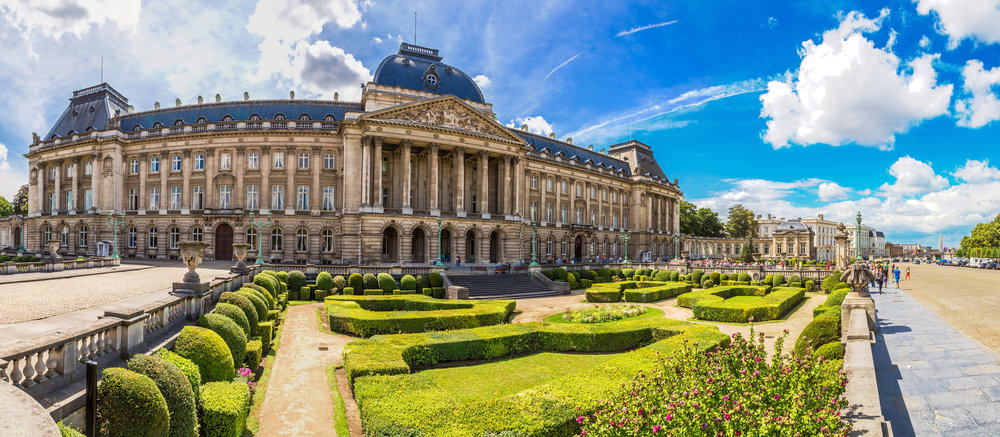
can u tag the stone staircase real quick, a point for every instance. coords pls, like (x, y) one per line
(517, 286)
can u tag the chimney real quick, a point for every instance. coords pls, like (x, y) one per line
(201, 100)
(177, 102)
(336, 97)
(131, 109)
(552, 135)
(569, 140)
(218, 98)
(604, 151)
(769, 216)
(524, 127)
(246, 96)
(758, 216)
(291, 95)
(156, 105)
(591, 147)
(821, 216)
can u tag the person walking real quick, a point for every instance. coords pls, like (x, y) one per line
(907, 273)
(880, 280)
(458, 263)
(895, 273)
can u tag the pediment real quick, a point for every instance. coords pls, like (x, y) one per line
(446, 112)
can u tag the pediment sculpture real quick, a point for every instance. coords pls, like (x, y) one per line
(448, 115)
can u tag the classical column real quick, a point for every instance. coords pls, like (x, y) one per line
(143, 195)
(39, 198)
(542, 201)
(484, 183)
(76, 185)
(186, 185)
(377, 173)
(265, 174)
(506, 204)
(432, 188)
(407, 176)
(95, 169)
(57, 185)
(316, 192)
(586, 203)
(291, 166)
(210, 171)
(518, 177)
(164, 173)
(557, 190)
(459, 161)
(366, 173)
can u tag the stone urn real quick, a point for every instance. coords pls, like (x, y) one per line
(192, 252)
(54, 251)
(240, 251)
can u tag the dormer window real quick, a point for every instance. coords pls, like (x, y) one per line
(136, 128)
(254, 117)
(201, 120)
(329, 118)
(75, 113)
(304, 117)
(227, 118)
(92, 109)
(179, 122)
(279, 117)
(157, 125)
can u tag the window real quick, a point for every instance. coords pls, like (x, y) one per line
(328, 161)
(302, 198)
(197, 234)
(385, 196)
(154, 165)
(579, 216)
(174, 237)
(614, 220)
(548, 212)
(385, 165)
(154, 198)
(579, 190)
(88, 168)
(52, 174)
(279, 159)
(562, 188)
(88, 199)
(130, 239)
(252, 238)
(199, 198)
(175, 198)
(614, 248)
(70, 170)
(133, 199)
(301, 240)
(252, 196)
(47, 232)
(82, 236)
(593, 192)
(199, 162)
(624, 220)
(562, 247)
(548, 246)
(593, 218)
(303, 160)
(534, 182)
(252, 160)
(564, 214)
(154, 237)
(327, 240)
(534, 211)
(64, 236)
(69, 200)
(614, 196)
(175, 163)
(226, 161)
(225, 196)
(327, 198)
(604, 219)
(52, 202)
(276, 240)
(604, 247)
(134, 168)
(277, 197)
(604, 194)
(548, 184)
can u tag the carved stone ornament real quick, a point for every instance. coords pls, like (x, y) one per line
(449, 115)
(858, 277)
(34, 176)
(35, 139)
(192, 252)
(240, 251)
(109, 164)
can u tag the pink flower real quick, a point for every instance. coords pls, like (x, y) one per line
(579, 419)
(776, 397)
(656, 429)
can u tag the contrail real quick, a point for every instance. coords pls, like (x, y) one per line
(561, 66)
(640, 29)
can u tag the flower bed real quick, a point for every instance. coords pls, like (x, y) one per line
(372, 315)
(739, 304)
(632, 291)
(603, 313)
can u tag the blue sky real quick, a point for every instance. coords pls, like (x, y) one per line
(790, 108)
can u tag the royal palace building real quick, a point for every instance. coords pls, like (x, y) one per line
(342, 182)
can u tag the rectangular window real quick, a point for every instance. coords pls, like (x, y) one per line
(303, 160)
(153, 239)
(328, 161)
(154, 199)
(52, 174)
(579, 190)
(548, 185)
(385, 196)
(133, 199)
(385, 165)
(252, 196)
(69, 200)
(225, 196)
(534, 182)
(279, 159)
(593, 218)
(614, 196)
(593, 193)
(199, 162)
(52, 202)
(133, 170)
(625, 220)
(579, 216)
(614, 220)
(604, 219)
(548, 212)
(252, 160)
(534, 211)
(564, 214)
(226, 161)
(277, 197)
(175, 198)
(154, 165)
(88, 168)
(604, 194)
(562, 188)
(87, 199)
(327, 198)
(199, 198)
(175, 163)
(302, 198)
(70, 170)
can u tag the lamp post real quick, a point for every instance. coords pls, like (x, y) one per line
(534, 241)
(857, 241)
(114, 223)
(438, 262)
(677, 250)
(259, 224)
(20, 251)
(626, 235)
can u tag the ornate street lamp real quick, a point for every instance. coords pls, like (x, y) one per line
(857, 241)
(534, 241)
(626, 235)
(259, 224)
(677, 248)
(438, 262)
(114, 223)
(20, 251)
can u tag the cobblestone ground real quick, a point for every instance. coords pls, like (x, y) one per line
(27, 301)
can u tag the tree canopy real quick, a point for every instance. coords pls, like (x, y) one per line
(20, 204)
(984, 235)
(742, 222)
(700, 222)
(6, 208)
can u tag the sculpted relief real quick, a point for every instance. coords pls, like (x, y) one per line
(450, 116)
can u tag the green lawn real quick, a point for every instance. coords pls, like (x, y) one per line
(651, 312)
(501, 378)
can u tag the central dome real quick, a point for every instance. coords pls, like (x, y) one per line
(420, 68)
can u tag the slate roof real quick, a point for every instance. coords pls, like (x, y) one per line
(646, 166)
(879, 234)
(791, 226)
(89, 109)
(317, 110)
(408, 68)
(540, 143)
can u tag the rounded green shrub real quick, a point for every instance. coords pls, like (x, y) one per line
(208, 351)
(131, 405)
(422, 284)
(744, 277)
(559, 273)
(794, 278)
(716, 277)
(822, 330)
(706, 282)
(224, 408)
(324, 281)
(244, 304)
(628, 273)
(356, 281)
(176, 390)
(617, 273)
(296, 280)
(408, 282)
(268, 282)
(724, 277)
(810, 286)
(831, 351)
(305, 293)
(386, 283)
(263, 293)
(547, 273)
(187, 367)
(571, 277)
(675, 276)
(604, 273)
(282, 277)
(768, 280)
(696, 275)
(339, 282)
(236, 315)
(663, 276)
(370, 281)
(258, 304)
(230, 332)
(348, 291)
(841, 286)
(778, 280)
(435, 280)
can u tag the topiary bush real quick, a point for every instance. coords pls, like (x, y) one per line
(235, 314)
(778, 280)
(794, 278)
(435, 280)
(324, 281)
(810, 286)
(604, 273)
(830, 281)
(254, 353)
(822, 330)
(224, 408)
(422, 284)
(296, 280)
(130, 405)
(831, 351)
(370, 281)
(706, 282)
(266, 330)
(547, 273)
(208, 351)
(176, 391)
(769, 280)
(348, 291)
(187, 367)
(230, 332)
(571, 278)
(282, 277)
(675, 276)
(305, 293)
(356, 281)
(245, 305)
(408, 282)
(744, 277)
(339, 282)
(559, 273)
(268, 282)
(628, 273)
(257, 302)
(696, 275)
(716, 277)
(263, 294)
(386, 283)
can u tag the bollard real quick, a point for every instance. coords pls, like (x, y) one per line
(91, 428)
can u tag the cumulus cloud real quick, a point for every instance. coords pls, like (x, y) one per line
(11, 178)
(913, 177)
(536, 125)
(973, 19)
(849, 91)
(55, 18)
(830, 191)
(981, 105)
(977, 172)
(483, 81)
(925, 42)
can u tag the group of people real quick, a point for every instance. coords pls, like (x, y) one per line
(883, 273)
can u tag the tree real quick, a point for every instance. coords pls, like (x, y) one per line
(20, 204)
(742, 222)
(709, 224)
(689, 219)
(6, 208)
(960, 253)
(746, 256)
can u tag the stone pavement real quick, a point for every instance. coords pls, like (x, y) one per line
(47, 276)
(932, 379)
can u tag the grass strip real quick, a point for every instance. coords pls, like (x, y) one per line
(339, 408)
(253, 420)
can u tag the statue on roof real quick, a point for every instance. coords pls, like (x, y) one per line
(35, 139)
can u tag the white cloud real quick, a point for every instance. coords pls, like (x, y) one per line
(642, 28)
(830, 191)
(865, 192)
(483, 81)
(562, 65)
(913, 177)
(55, 18)
(377, 40)
(536, 125)
(11, 178)
(977, 172)
(295, 20)
(983, 106)
(925, 42)
(772, 22)
(973, 19)
(849, 91)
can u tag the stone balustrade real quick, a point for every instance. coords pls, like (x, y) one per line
(10, 268)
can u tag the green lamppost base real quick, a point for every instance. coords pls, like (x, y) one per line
(259, 262)
(533, 264)
(115, 256)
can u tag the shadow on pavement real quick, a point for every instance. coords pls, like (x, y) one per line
(887, 376)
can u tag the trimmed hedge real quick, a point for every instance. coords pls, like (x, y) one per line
(356, 281)
(653, 294)
(258, 303)
(339, 282)
(386, 283)
(305, 293)
(176, 391)
(348, 291)
(187, 367)
(762, 308)
(254, 354)
(372, 315)
(224, 408)
(831, 351)
(324, 281)
(130, 405)
(269, 283)
(823, 329)
(369, 281)
(230, 332)
(408, 282)
(435, 280)
(235, 314)
(296, 280)
(603, 295)
(244, 304)
(560, 273)
(208, 351)
(266, 331)
(372, 292)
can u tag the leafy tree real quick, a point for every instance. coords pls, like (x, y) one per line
(983, 235)
(742, 222)
(960, 253)
(689, 219)
(710, 225)
(746, 256)
(20, 204)
(6, 208)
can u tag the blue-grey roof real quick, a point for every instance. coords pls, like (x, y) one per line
(89, 109)
(411, 67)
(647, 166)
(555, 147)
(879, 234)
(316, 110)
(791, 226)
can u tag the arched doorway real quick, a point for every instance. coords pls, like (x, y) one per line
(17, 237)
(390, 245)
(446, 244)
(578, 248)
(470, 247)
(418, 247)
(224, 242)
(495, 247)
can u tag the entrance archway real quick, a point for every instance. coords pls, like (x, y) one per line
(418, 248)
(17, 237)
(495, 247)
(446, 245)
(224, 242)
(390, 245)
(578, 248)
(470, 247)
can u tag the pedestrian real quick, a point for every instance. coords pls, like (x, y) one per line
(895, 273)
(907, 273)
(880, 279)
(458, 263)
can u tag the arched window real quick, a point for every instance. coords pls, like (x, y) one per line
(227, 118)
(136, 128)
(548, 246)
(154, 237)
(178, 122)
(197, 234)
(276, 239)
(201, 120)
(614, 248)
(175, 237)
(64, 236)
(130, 238)
(279, 116)
(305, 117)
(329, 118)
(83, 236)
(157, 125)
(46, 235)
(252, 238)
(301, 240)
(327, 240)
(254, 117)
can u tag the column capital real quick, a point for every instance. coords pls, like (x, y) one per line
(434, 147)
(187, 153)
(407, 143)
(460, 150)
(366, 140)
(317, 149)
(265, 149)
(240, 150)
(506, 158)
(290, 150)
(484, 154)
(378, 141)
(76, 159)
(143, 156)
(164, 154)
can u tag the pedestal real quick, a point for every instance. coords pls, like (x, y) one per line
(853, 301)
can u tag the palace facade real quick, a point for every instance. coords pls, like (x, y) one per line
(343, 182)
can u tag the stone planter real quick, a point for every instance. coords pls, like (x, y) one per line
(240, 251)
(192, 253)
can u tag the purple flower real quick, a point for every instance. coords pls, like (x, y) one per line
(776, 397)
(704, 425)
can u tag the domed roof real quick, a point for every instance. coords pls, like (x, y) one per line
(420, 68)
(792, 226)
